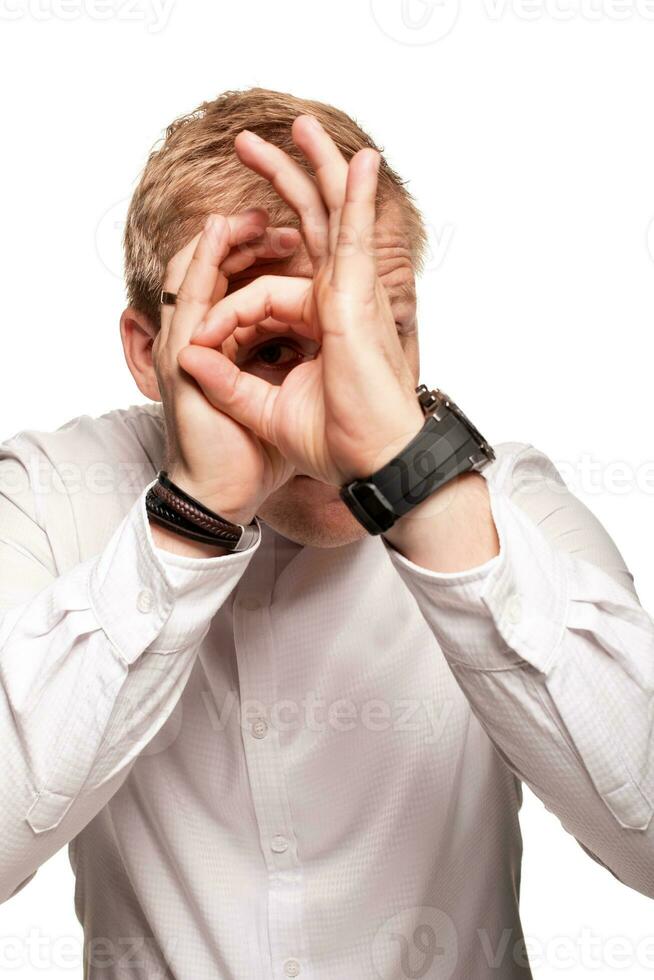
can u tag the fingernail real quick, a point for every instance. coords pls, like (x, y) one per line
(288, 242)
(375, 160)
(252, 136)
(313, 122)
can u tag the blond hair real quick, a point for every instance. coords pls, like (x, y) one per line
(196, 171)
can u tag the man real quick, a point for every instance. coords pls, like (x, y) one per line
(301, 753)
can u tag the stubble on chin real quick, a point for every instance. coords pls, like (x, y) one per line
(311, 513)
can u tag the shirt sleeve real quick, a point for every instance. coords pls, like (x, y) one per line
(555, 654)
(92, 663)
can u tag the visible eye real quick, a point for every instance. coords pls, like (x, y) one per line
(272, 356)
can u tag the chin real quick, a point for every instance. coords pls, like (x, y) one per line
(311, 513)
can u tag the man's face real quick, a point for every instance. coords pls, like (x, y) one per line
(303, 509)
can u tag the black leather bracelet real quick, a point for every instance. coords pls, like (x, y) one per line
(168, 505)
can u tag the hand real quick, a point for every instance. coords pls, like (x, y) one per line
(351, 409)
(210, 454)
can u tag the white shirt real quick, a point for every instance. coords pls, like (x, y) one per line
(306, 762)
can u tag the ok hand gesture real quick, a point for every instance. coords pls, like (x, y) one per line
(347, 412)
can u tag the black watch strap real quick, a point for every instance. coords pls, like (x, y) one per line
(447, 445)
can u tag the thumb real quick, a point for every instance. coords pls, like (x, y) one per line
(244, 397)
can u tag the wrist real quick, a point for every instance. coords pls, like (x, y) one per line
(232, 507)
(452, 530)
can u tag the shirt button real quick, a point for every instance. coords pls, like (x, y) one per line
(259, 728)
(145, 601)
(513, 609)
(249, 602)
(279, 844)
(291, 968)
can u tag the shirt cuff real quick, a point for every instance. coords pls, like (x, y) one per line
(146, 598)
(508, 611)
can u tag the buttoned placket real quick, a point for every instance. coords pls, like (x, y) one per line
(254, 644)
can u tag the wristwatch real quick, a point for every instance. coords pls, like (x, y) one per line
(447, 445)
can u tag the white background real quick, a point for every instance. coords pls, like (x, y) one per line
(525, 132)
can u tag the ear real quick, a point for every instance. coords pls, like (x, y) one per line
(137, 334)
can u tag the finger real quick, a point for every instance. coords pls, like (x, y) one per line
(203, 275)
(329, 164)
(285, 298)
(179, 263)
(244, 397)
(175, 271)
(293, 184)
(193, 274)
(355, 262)
(275, 243)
